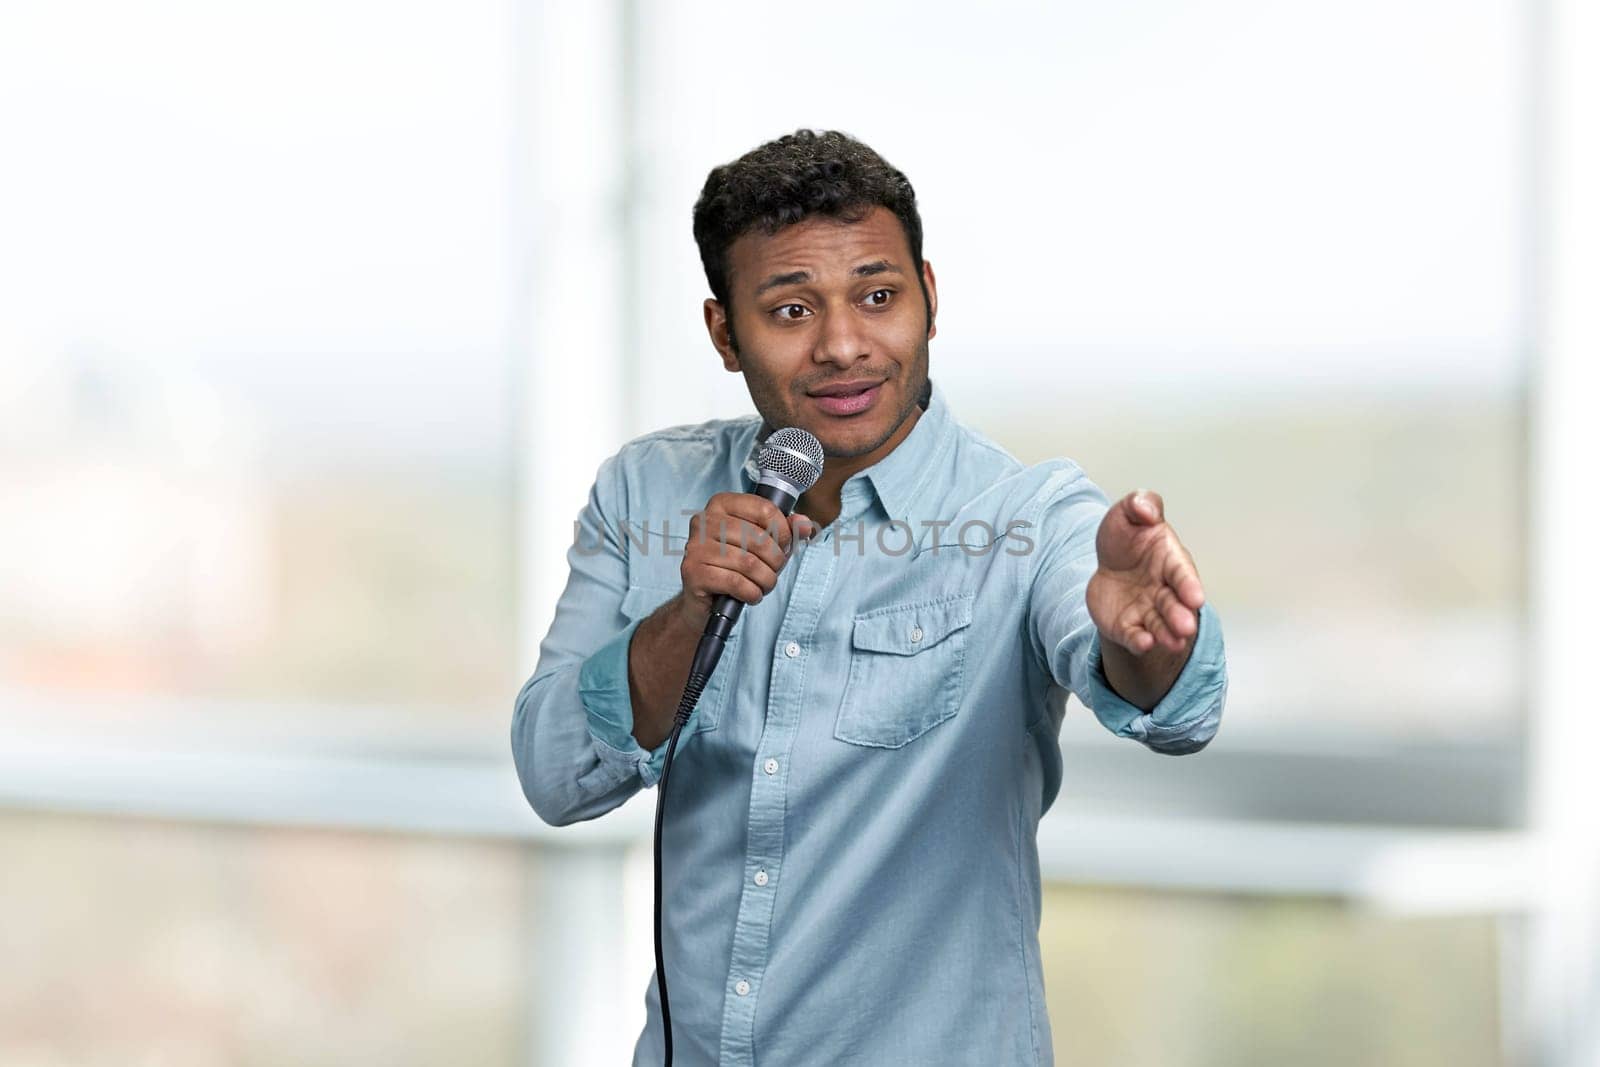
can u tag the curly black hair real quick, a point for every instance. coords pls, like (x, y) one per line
(805, 173)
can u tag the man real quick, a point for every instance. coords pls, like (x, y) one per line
(851, 873)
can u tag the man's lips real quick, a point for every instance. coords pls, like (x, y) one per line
(847, 398)
(847, 388)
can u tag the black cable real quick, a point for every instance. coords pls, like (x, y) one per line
(691, 696)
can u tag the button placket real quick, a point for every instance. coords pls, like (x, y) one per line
(813, 572)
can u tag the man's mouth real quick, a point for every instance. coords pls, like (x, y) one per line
(847, 398)
(860, 385)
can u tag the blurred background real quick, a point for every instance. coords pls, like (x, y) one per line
(317, 318)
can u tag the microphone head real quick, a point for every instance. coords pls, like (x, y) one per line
(793, 455)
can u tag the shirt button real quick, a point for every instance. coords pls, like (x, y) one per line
(761, 877)
(792, 649)
(771, 766)
(916, 633)
(742, 987)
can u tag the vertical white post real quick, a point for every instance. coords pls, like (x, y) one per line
(570, 409)
(1564, 784)
(568, 329)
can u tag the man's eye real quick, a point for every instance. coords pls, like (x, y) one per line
(784, 311)
(879, 297)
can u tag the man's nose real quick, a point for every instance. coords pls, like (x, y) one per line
(840, 339)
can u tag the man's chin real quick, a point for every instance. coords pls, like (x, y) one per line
(850, 442)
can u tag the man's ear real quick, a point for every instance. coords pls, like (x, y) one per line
(933, 298)
(721, 339)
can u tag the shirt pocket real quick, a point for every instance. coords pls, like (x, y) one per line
(906, 671)
(637, 603)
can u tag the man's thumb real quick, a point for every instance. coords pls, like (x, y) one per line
(1143, 507)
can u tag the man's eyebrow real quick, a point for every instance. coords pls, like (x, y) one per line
(794, 277)
(882, 266)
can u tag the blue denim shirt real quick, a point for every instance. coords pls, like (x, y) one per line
(850, 864)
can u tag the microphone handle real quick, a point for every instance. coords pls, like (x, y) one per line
(725, 610)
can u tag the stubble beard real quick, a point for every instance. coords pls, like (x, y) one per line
(769, 404)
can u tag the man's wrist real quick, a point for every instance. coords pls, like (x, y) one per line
(665, 636)
(1142, 680)
(686, 617)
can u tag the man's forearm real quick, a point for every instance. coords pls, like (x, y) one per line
(658, 666)
(1142, 680)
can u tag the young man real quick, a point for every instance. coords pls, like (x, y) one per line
(851, 873)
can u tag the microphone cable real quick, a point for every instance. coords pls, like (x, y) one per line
(705, 661)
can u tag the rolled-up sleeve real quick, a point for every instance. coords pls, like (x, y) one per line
(608, 705)
(1186, 718)
(1068, 644)
(572, 724)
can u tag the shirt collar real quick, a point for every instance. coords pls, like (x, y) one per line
(898, 478)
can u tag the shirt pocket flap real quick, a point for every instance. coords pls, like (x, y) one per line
(911, 628)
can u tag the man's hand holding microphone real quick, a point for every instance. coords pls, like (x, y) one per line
(737, 545)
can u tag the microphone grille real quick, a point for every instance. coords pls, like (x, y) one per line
(794, 455)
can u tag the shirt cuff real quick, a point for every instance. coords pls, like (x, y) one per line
(608, 702)
(1188, 716)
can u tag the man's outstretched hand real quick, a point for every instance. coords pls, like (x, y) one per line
(1146, 591)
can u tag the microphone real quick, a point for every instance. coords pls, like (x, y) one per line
(791, 463)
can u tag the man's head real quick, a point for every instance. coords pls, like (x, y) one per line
(812, 246)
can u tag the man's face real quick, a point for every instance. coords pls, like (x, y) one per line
(831, 326)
